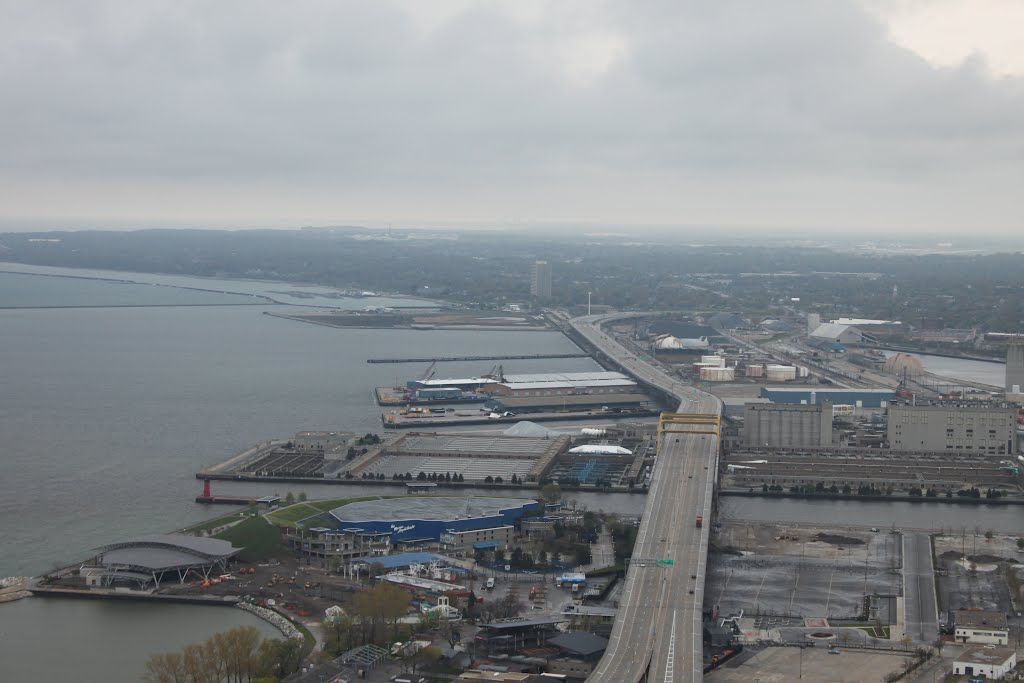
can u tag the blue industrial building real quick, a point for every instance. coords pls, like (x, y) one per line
(864, 398)
(425, 519)
(440, 393)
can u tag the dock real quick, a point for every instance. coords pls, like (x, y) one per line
(431, 421)
(452, 359)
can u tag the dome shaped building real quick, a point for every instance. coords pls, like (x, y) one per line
(904, 365)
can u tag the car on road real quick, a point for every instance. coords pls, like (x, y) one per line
(875, 529)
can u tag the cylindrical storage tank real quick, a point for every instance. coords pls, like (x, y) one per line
(802, 371)
(715, 361)
(780, 373)
(755, 371)
(718, 374)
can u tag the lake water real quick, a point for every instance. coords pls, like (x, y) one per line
(962, 368)
(933, 516)
(52, 639)
(280, 292)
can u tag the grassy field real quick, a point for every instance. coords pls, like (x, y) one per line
(214, 523)
(291, 515)
(259, 540)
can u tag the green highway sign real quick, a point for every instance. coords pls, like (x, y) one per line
(666, 563)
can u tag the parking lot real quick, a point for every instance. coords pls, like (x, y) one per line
(796, 573)
(972, 571)
(778, 664)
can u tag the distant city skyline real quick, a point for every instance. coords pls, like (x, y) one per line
(871, 115)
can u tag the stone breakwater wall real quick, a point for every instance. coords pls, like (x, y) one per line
(14, 588)
(274, 619)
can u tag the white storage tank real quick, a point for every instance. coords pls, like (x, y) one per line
(717, 374)
(802, 371)
(780, 373)
(713, 361)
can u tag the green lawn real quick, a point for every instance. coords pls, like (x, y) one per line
(216, 522)
(259, 540)
(293, 514)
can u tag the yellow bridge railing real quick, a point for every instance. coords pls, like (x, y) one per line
(689, 423)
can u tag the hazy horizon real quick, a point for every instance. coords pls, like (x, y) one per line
(848, 115)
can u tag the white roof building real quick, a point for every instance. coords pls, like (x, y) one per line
(670, 343)
(991, 663)
(840, 334)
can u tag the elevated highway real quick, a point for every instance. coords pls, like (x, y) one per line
(658, 629)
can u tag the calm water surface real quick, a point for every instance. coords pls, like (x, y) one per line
(92, 641)
(963, 369)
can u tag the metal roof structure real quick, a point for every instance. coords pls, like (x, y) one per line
(517, 623)
(567, 384)
(836, 332)
(581, 643)
(540, 378)
(147, 559)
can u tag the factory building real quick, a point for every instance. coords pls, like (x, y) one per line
(628, 402)
(813, 322)
(788, 426)
(565, 382)
(978, 429)
(321, 441)
(834, 333)
(861, 398)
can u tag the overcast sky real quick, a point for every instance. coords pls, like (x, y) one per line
(882, 114)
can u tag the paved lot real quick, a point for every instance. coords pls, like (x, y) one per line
(984, 587)
(778, 664)
(789, 572)
(921, 611)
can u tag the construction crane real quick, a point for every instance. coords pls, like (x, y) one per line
(497, 373)
(429, 374)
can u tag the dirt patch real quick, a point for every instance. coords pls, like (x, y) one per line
(987, 559)
(836, 539)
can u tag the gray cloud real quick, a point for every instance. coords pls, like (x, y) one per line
(797, 112)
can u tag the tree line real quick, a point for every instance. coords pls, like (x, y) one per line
(239, 655)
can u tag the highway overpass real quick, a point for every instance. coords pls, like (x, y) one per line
(658, 628)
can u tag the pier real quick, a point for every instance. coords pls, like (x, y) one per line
(452, 359)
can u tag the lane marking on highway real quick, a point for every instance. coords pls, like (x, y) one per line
(828, 598)
(670, 658)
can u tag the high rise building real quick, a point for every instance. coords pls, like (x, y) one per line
(540, 280)
(1015, 368)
